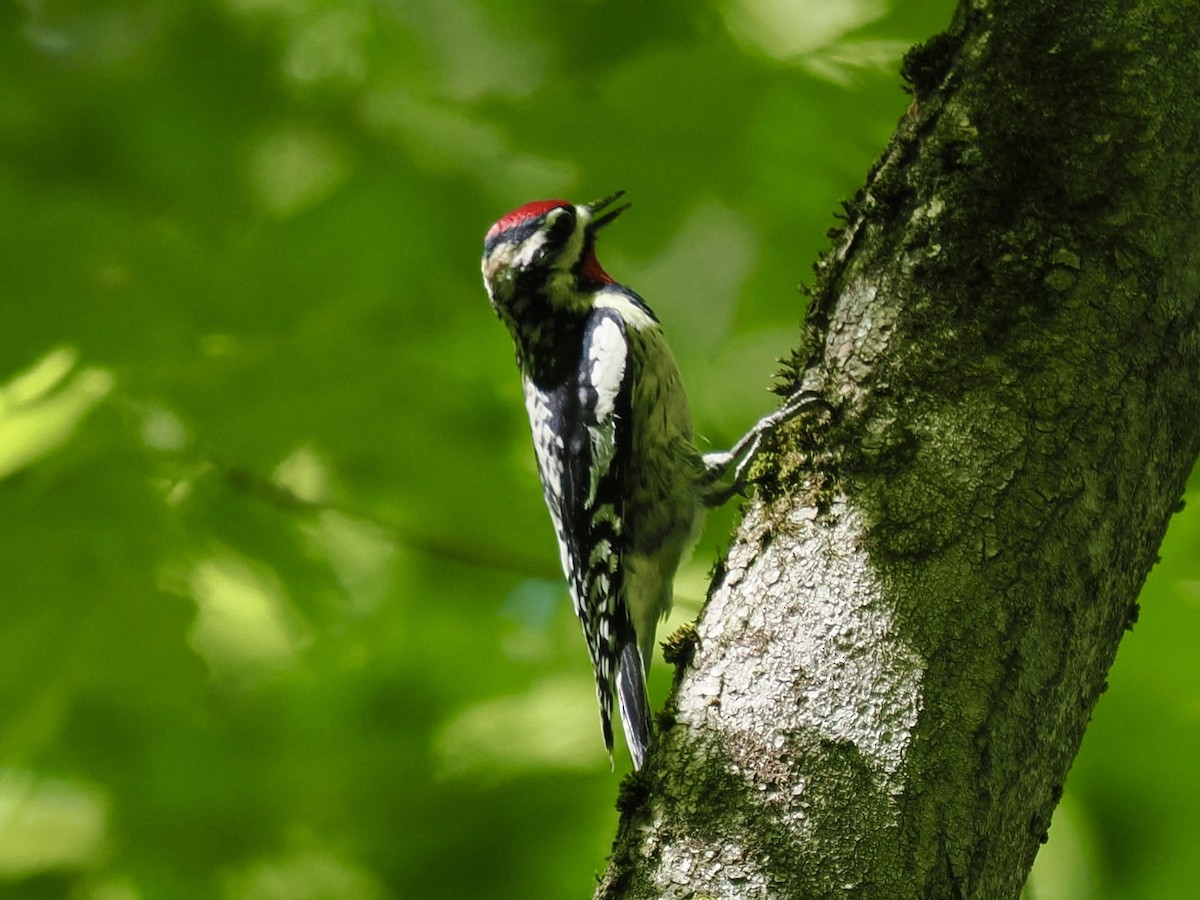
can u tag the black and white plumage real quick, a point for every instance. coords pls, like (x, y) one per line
(612, 432)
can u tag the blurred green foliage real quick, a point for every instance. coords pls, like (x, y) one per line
(281, 609)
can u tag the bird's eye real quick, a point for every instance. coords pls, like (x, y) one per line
(561, 227)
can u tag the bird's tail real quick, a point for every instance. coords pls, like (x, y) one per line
(633, 701)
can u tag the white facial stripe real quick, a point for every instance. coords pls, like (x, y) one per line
(530, 249)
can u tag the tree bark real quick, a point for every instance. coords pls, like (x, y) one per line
(902, 650)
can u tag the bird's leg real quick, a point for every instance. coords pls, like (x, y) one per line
(737, 458)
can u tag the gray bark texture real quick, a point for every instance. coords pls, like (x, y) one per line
(901, 651)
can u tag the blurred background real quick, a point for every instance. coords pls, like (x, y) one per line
(280, 609)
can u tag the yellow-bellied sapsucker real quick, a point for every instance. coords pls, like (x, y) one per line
(612, 432)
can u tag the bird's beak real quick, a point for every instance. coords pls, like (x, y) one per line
(599, 206)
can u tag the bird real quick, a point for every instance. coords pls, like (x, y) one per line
(612, 431)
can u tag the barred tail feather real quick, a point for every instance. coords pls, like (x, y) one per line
(633, 702)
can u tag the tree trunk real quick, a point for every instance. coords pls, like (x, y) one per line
(900, 654)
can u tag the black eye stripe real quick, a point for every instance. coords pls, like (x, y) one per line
(511, 235)
(558, 232)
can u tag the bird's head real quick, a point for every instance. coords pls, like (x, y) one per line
(547, 247)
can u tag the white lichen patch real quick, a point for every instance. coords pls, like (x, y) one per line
(859, 331)
(725, 870)
(931, 209)
(799, 643)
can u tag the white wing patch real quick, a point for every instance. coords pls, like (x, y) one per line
(608, 355)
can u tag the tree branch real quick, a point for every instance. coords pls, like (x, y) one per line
(900, 655)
